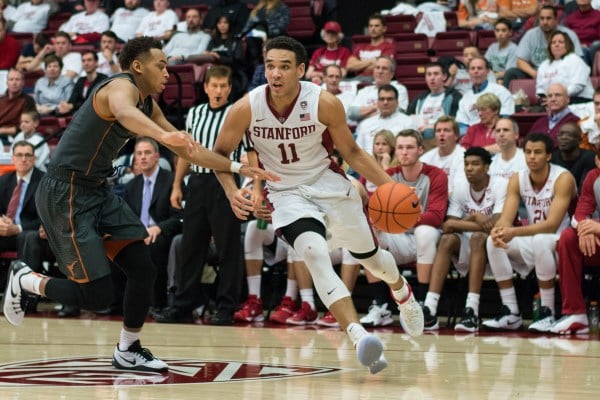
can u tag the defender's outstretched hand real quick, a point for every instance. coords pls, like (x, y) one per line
(258, 173)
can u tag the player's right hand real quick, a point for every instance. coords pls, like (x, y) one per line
(179, 141)
(176, 197)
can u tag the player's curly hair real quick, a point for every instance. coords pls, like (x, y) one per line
(291, 44)
(480, 152)
(136, 48)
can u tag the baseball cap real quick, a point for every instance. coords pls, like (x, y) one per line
(332, 26)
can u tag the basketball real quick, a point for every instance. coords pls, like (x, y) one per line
(394, 207)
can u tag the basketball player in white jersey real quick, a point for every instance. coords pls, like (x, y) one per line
(475, 206)
(294, 126)
(547, 191)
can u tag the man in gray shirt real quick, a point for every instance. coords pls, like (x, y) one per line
(532, 49)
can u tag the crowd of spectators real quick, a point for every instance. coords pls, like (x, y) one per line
(464, 110)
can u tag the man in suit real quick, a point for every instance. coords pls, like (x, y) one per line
(148, 195)
(18, 213)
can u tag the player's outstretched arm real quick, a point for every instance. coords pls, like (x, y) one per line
(331, 113)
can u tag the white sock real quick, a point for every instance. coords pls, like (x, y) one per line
(127, 339)
(547, 298)
(509, 299)
(254, 282)
(308, 295)
(473, 302)
(402, 293)
(31, 282)
(431, 301)
(291, 290)
(355, 331)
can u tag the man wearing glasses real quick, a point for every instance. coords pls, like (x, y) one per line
(18, 213)
(388, 117)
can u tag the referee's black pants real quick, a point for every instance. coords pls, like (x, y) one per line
(207, 213)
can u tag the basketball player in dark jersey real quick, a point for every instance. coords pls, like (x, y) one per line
(86, 223)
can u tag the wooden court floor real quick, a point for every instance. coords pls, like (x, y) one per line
(51, 358)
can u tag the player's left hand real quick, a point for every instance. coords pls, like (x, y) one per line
(588, 244)
(242, 203)
(588, 226)
(258, 173)
(501, 236)
(180, 140)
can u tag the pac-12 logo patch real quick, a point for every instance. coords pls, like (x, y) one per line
(97, 371)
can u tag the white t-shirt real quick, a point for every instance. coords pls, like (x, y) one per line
(125, 22)
(505, 168)
(467, 113)
(367, 128)
(156, 25)
(432, 108)
(86, 23)
(367, 96)
(453, 164)
(571, 71)
(31, 18)
(104, 66)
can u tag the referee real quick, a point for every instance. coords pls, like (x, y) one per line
(207, 214)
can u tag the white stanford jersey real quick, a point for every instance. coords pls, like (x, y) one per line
(295, 146)
(537, 203)
(463, 204)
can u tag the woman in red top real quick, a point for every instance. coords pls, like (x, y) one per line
(482, 134)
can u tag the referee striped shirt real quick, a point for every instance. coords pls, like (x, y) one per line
(204, 124)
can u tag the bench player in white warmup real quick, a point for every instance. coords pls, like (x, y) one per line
(294, 126)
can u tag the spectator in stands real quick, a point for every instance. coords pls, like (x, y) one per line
(590, 126)
(125, 21)
(566, 67)
(332, 53)
(432, 104)
(30, 120)
(84, 85)
(458, 73)
(517, 11)
(477, 14)
(184, 44)
(148, 195)
(482, 134)
(585, 22)
(568, 154)
(474, 208)
(332, 75)
(365, 104)
(268, 19)
(578, 247)
(160, 23)
(511, 158)
(364, 55)
(557, 106)
(502, 54)
(52, 88)
(88, 25)
(61, 47)
(383, 151)
(6, 10)
(108, 62)
(533, 46)
(547, 191)
(29, 51)
(447, 155)
(236, 11)
(467, 114)
(535, 20)
(387, 117)
(224, 47)
(18, 213)
(30, 17)
(12, 105)
(10, 48)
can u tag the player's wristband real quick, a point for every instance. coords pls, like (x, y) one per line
(235, 167)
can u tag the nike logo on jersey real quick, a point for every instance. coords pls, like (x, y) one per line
(260, 119)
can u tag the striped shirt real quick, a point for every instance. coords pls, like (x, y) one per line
(204, 124)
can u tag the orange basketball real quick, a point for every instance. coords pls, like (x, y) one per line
(394, 207)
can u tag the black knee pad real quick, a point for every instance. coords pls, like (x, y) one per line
(292, 231)
(362, 256)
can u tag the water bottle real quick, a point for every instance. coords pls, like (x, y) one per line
(535, 307)
(594, 316)
(261, 224)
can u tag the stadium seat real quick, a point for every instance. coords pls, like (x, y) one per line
(451, 43)
(413, 44)
(22, 37)
(596, 65)
(414, 87)
(526, 121)
(55, 21)
(451, 20)
(411, 68)
(30, 80)
(51, 128)
(400, 24)
(180, 93)
(484, 39)
(301, 25)
(182, 9)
